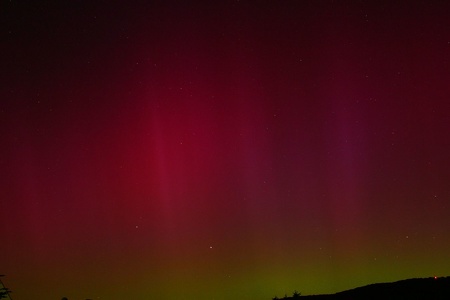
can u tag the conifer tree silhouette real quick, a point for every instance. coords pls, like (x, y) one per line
(4, 291)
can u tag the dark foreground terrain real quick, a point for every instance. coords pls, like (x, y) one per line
(411, 289)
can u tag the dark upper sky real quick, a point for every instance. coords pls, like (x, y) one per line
(239, 150)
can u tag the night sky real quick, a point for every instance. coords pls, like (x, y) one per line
(234, 150)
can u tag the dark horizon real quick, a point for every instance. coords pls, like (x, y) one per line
(412, 288)
(234, 150)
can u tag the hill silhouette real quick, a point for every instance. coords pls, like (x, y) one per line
(412, 289)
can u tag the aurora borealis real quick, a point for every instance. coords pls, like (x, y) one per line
(241, 150)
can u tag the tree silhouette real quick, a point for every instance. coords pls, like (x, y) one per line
(296, 294)
(4, 292)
